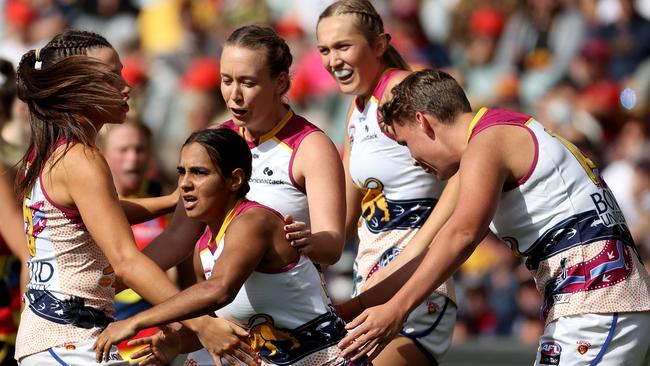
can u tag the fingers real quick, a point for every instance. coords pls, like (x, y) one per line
(141, 341)
(107, 350)
(356, 322)
(102, 348)
(239, 331)
(288, 219)
(247, 358)
(217, 359)
(97, 348)
(301, 242)
(144, 351)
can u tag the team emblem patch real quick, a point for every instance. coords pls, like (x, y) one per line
(432, 308)
(583, 347)
(549, 353)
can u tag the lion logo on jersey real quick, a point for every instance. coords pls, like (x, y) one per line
(373, 200)
(264, 334)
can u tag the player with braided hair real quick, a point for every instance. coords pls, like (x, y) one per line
(78, 235)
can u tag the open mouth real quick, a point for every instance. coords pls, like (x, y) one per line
(189, 202)
(343, 74)
(238, 112)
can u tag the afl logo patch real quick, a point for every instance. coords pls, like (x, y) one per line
(550, 353)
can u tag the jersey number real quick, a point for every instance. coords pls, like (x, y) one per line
(585, 162)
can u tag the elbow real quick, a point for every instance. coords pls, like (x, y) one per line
(123, 265)
(331, 245)
(122, 272)
(220, 293)
(465, 241)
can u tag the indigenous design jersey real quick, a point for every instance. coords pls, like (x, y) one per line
(397, 195)
(70, 295)
(564, 219)
(272, 182)
(286, 311)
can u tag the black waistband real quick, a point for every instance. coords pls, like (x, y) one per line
(584, 228)
(72, 311)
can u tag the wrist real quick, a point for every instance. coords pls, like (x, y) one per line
(192, 324)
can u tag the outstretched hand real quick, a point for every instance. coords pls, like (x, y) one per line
(298, 234)
(113, 334)
(370, 332)
(222, 338)
(161, 348)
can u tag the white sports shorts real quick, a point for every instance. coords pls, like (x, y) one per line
(596, 339)
(72, 354)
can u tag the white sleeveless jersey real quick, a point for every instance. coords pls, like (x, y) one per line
(272, 182)
(398, 196)
(286, 311)
(69, 297)
(565, 220)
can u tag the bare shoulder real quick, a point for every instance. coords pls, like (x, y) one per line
(395, 79)
(84, 163)
(506, 146)
(315, 142)
(256, 220)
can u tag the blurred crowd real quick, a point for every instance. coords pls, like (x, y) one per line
(581, 67)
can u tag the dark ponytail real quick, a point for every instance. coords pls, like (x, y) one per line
(61, 87)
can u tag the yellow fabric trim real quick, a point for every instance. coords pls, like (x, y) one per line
(226, 222)
(277, 127)
(475, 120)
(283, 145)
(531, 119)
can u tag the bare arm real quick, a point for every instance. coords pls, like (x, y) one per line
(485, 166)
(87, 180)
(353, 195)
(176, 243)
(139, 210)
(229, 273)
(420, 242)
(318, 162)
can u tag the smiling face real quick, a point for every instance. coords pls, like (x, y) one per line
(108, 56)
(427, 146)
(251, 94)
(347, 55)
(204, 189)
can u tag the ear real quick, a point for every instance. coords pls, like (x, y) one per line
(282, 84)
(237, 179)
(424, 123)
(381, 44)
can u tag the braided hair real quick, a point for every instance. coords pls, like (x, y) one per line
(62, 87)
(369, 23)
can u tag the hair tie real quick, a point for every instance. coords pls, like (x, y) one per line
(38, 63)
